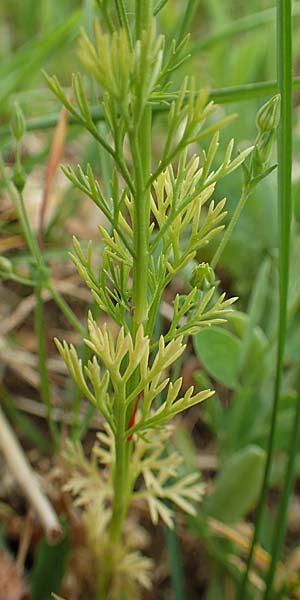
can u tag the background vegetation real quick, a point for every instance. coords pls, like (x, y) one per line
(232, 52)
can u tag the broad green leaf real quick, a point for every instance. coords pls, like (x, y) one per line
(253, 364)
(237, 486)
(219, 351)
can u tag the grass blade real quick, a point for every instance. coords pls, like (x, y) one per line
(184, 24)
(28, 61)
(176, 567)
(242, 25)
(284, 69)
(285, 74)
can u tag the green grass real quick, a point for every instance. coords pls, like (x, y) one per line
(284, 68)
(285, 74)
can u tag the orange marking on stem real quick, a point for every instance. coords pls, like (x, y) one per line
(133, 416)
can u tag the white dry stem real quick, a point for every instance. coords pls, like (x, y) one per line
(27, 480)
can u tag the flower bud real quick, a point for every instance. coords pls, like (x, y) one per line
(268, 116)
(17, 123)
(19, 177)
(202, 276)
(265, 145)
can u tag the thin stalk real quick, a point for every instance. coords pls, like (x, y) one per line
(159, 6)
(288, 485)
(74, 321)
(35, 253)
(30, 237)
(14, 277)
(123, 19)
(106, 16)
(284, 69)
(228, 232)
(32, 244)
(143, 16)
(45, 389)
(66, 310)
(186, 20)
(19, 205)
(118, 159)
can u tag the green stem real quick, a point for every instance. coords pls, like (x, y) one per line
(19, 205)
(284, 68)
(66, 310)
(140, 144)
(143, 16)
(14, 277)
(45, 389)
(141, 153)
(74, 321)
(285, 71)
(234, 219)
(281, 521)
(186, 20)
(159, 6)
(140, 240)
(118, 159)
(103, 7)
(123, 19)
(120, 476)
(121, 491)
(30, 237)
